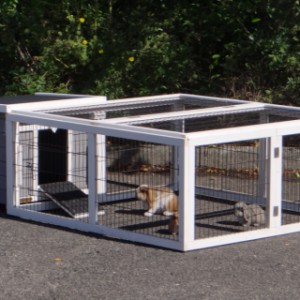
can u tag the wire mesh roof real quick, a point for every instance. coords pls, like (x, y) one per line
(221, 119)
(117, 109)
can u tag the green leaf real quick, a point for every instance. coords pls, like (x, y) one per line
(216, 56)
(255, 20)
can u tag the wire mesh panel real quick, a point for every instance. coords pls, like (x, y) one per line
(221, 119)
(51, 172)
(144, 106)
(78, 160)
(291, 179)
(230, 188)
(52, 177)
(136, 165)
(210, 177)
(26, 163)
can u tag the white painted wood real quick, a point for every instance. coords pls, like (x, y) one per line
(99, 229)
(10, 162)
(59, 95)
(101, 164)
(244, 133)
(186, 193)
(263, 167)
(242, 237)
(213, 99)
(145, 99)
(89, 126)
(35, 162)
(270, 136)
(3, 108)
(18, 165)
(263, 161)
(275, 187)
(58, 104)
(175, 170)
(281, 107)
(92, 175)
(179, 96)
(70, 151)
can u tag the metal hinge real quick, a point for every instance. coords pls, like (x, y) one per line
(276, 152)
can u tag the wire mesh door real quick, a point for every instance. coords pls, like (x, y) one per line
(231, 182)
(291, 180)
(131, 164)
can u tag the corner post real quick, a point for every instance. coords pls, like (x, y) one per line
(92, 175)
(275, 186)
(186, 194)
(11, 193)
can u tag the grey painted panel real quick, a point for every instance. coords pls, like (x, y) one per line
(2, 162)
(2, 127)
(2, 159)
(2, 182)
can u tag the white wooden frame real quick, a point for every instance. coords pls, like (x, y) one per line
(174, 139)
(186, 144)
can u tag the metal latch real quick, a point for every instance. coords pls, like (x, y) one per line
(276, 152)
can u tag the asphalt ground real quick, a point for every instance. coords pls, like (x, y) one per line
(47, 262)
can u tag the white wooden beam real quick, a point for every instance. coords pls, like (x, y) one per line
(201, 112)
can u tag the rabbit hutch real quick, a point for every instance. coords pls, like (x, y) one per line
(232, 166)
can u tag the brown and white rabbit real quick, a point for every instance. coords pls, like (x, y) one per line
(158, 199)
(249, 215)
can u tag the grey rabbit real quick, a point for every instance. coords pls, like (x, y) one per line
(249, 215)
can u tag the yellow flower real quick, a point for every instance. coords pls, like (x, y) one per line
(100, 51)
(81, 20)
(85, 42)
(131, 59)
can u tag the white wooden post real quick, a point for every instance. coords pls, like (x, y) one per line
(186, 194)
(263, 161)
(70, 153)
(10, 165)
(275, 187)
(92, 175)
(178, 127)
(101, 165)
(174, 170)
(263, 167)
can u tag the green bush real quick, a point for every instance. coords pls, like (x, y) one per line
(242, 49)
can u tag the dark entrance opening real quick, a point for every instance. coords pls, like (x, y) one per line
(52, 160)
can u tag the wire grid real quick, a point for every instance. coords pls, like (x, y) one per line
(221, 120)
(116, 110)
(291, 179)
(51, 171)
(122, 165)
(129, 164)
(226, 174)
